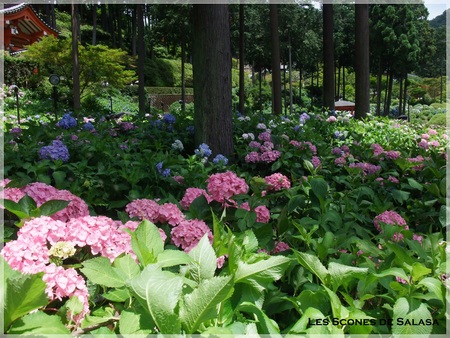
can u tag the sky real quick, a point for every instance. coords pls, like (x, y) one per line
(435, 8)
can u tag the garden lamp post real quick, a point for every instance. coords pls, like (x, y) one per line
(16, 93)
(54, 80)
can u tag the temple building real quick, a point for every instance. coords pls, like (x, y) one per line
(22, 26)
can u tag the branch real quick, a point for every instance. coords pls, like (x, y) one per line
(93, 327)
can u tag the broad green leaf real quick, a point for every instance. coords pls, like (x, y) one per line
(15, 208)
(264, 323)
(117, 295)
(38, 323)
(205, 260)
(343, 274)
(361, 329)
(397, 272)
(53, 206)
(419, 270)
(126, 267)
(146, 242)
(298, 201)
(434, 286)
(313, 264)
(23, 293)
(400, 196)
(262, 273)
(173, 257)
(339, 311)
(413, 312)
(414, 184)
(401, 254)
(319, 187)
(99, 271)
(161, 291)
(28, 204)
(60, 178)
(313, 299)
(310, 315)
(134, 323)
(201, 304)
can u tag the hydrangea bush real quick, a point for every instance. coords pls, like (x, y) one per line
(316, 218)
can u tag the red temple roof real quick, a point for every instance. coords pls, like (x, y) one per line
(22, 26)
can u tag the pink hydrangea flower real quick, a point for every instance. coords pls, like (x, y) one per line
(279, 247)
(391, 218)
(392, 154)
(434, 143)
(277, 182)
(270, 156)
(340, 160)
(425, 136)
(188, 233)
(265, 136)
(254, 144)
(331, 119)
(418, 238)
(191, 194)
(262, 214)
(432, 132)
(393, 179)
(170, 213)
(41, 193)
(377, 149)
(221, 187)
(62, 283)
(143, 209)
(252, 157)
(423, 144)
(316, 161)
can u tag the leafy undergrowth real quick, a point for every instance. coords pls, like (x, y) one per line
(319, 224)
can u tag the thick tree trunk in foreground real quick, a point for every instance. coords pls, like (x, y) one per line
(362, 68)
(276, 73)
(141, 57)
(75, 62)
(212, 78)
(328, 57)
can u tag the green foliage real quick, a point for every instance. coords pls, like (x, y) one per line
(98, 64)
(438, 120)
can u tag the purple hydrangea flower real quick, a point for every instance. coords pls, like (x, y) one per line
(67, 121)
(220, 159)
(56, 151)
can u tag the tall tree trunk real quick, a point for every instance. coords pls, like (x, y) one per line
(276, 73)
(183, 76)
(400, 97)
(343, 83)
(300, 84)
(212, 78)
(405, 94)
(362, 66)
(75, 62)
(133, 32)
(387, 107)
(94, 25)
(338, 86)
(141, 57)
(112, 24)
(241, 60)
(119, 25)
(104, 15)
(328, 57)
(379, 79)
(260, 91)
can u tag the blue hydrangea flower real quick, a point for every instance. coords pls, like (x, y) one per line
(220, 159)
(203, 150)
(56, 151)
(88, 126)
(169, 118)
(67, 121)
(159, 166)
(304, 117)
(166, 172)
(190, 130)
